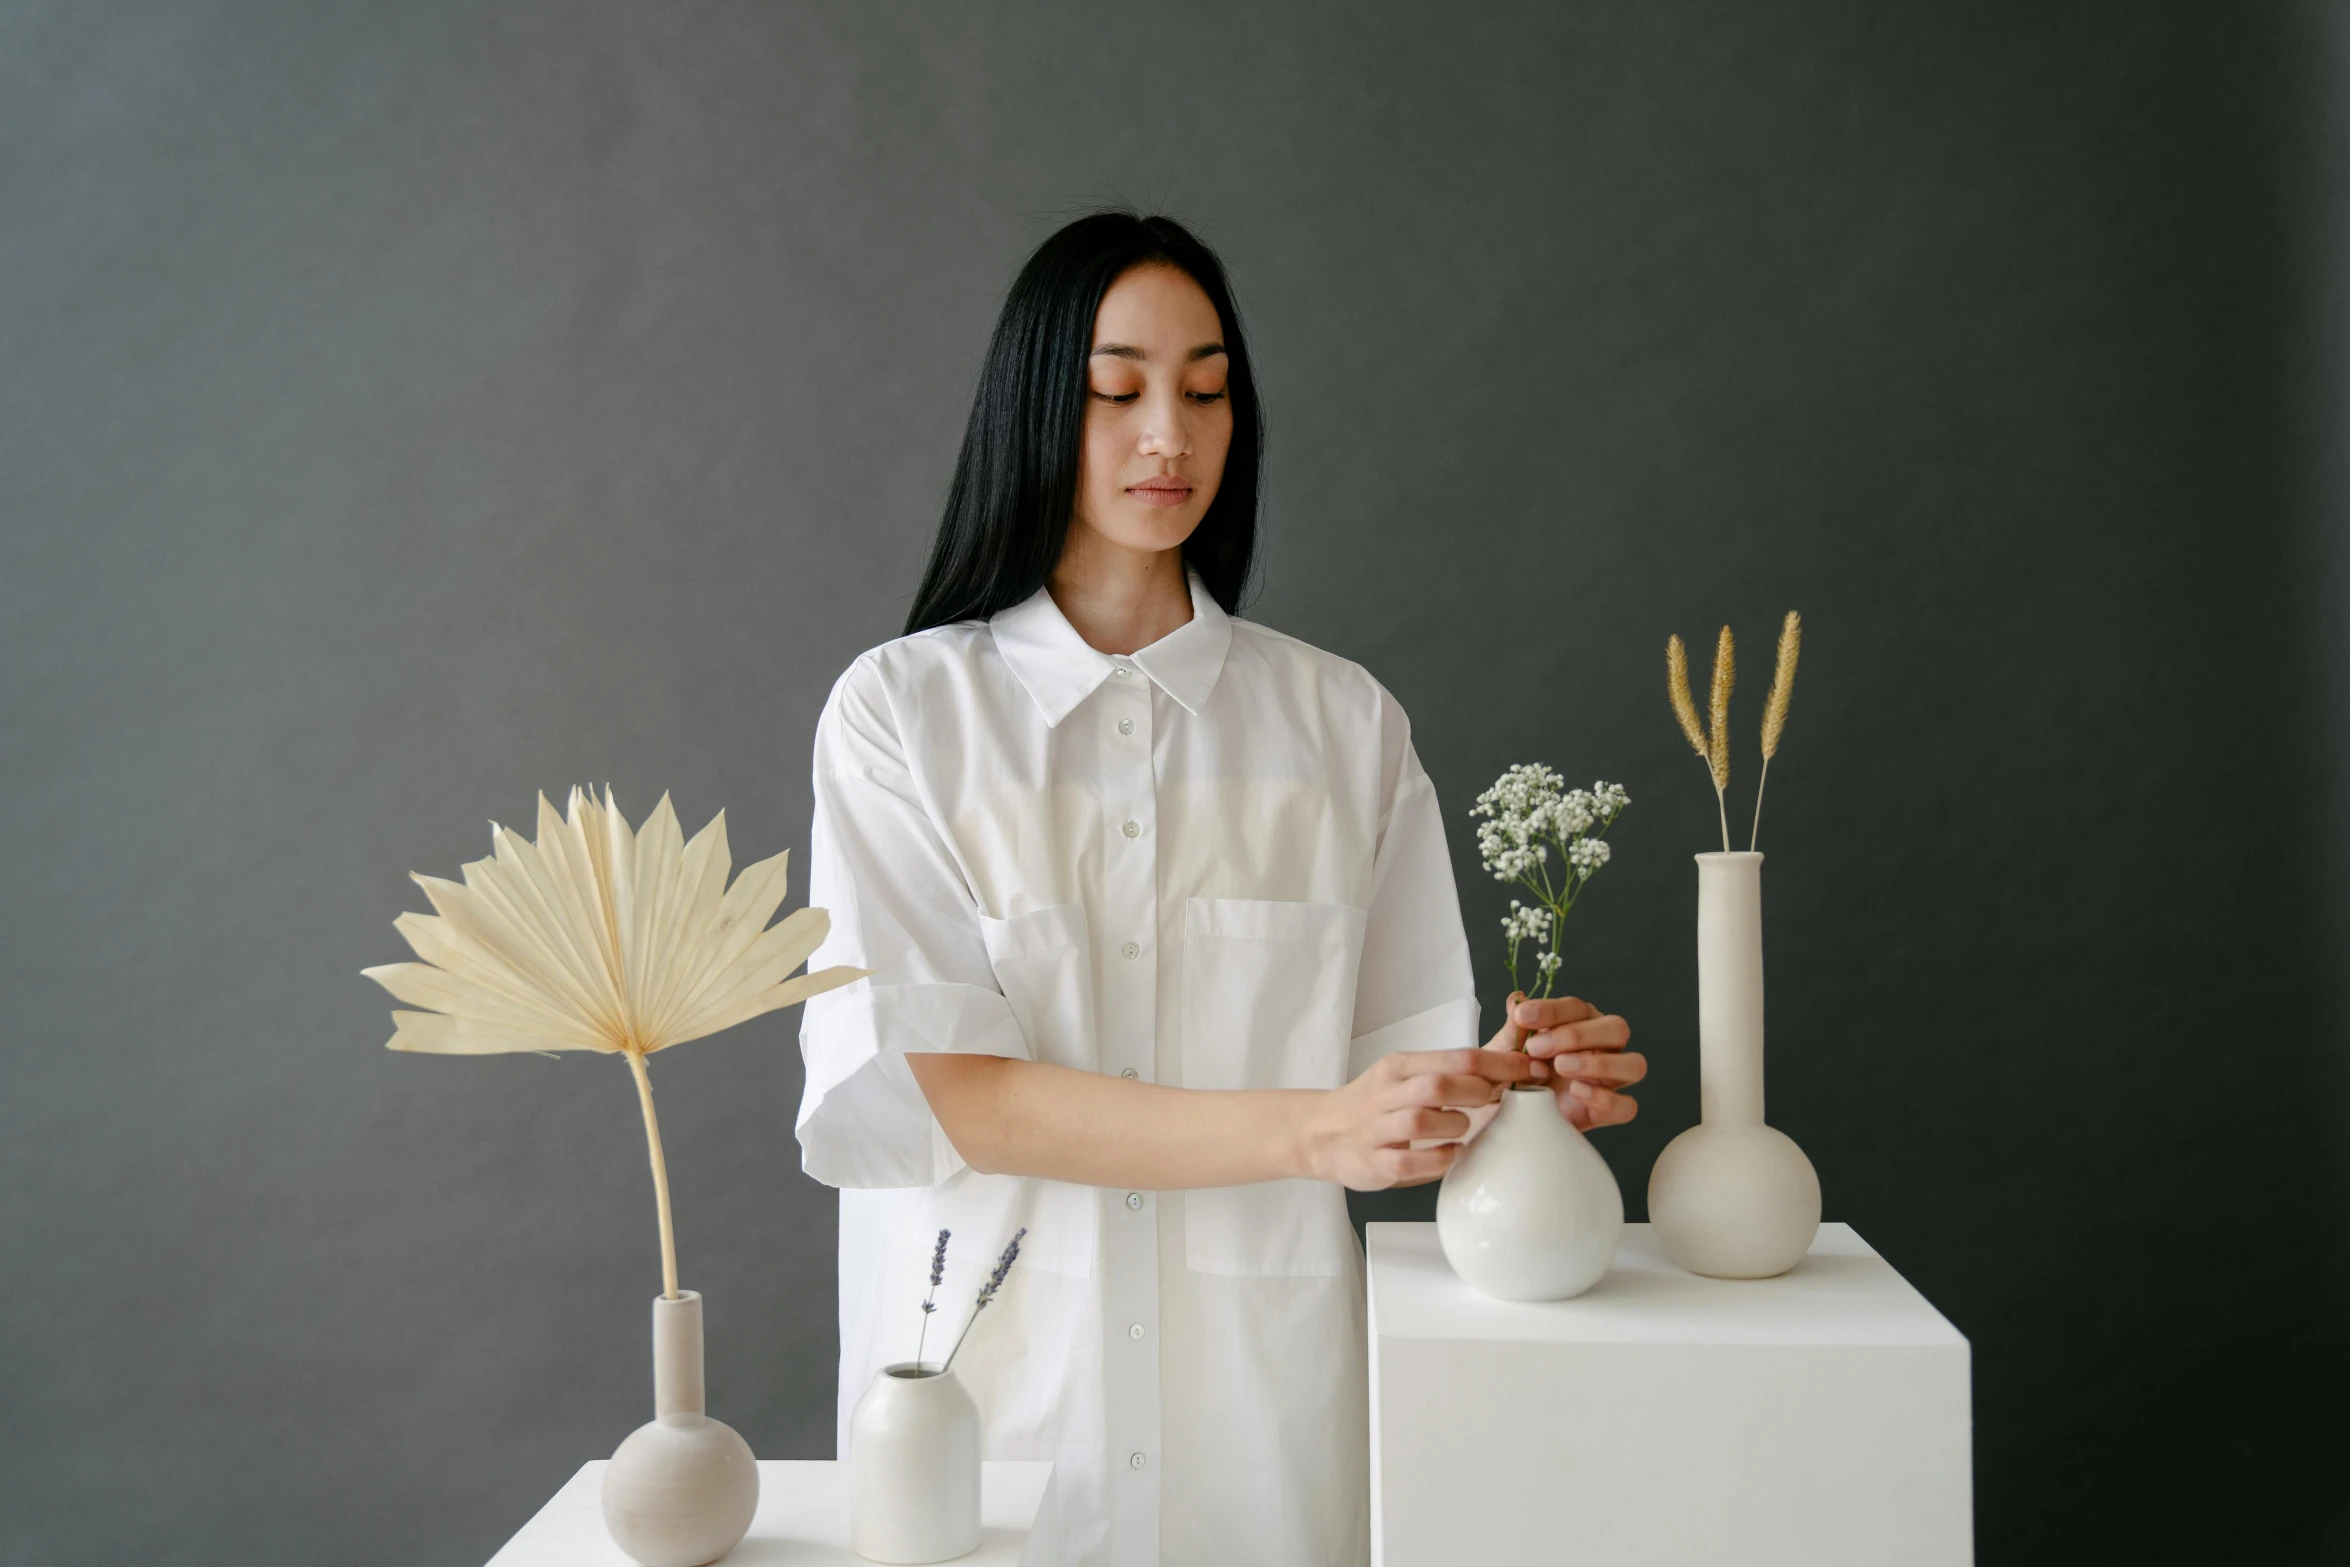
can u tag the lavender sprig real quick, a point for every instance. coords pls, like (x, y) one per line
(995, 1281)
(938, 1270)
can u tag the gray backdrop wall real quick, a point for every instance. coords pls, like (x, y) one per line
(404, 409)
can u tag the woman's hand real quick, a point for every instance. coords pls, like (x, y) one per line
(1584, 1048)
(1361, 1135)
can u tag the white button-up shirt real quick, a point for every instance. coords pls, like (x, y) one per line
(1215, 863)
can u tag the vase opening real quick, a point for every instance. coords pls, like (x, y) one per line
(912, 1371)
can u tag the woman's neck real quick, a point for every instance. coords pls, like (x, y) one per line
(1119, 600)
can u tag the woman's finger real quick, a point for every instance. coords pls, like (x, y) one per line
(1588, 1105)
(1595, 1033)
(1417, 1121)
(1607, 1068)
(1499, 1066)
(1550, 1012)
(1414, 1166)
(1456, 1089)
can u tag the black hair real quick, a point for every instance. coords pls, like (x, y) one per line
(1008, 511)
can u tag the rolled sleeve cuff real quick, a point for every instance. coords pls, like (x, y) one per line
(863, 1120)
(1451, 1025)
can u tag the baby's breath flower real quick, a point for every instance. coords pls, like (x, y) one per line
(1528, 812)
(1525, 924)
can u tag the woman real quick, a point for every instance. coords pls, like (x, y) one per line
(1165, 947)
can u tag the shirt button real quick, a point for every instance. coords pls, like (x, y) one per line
(1125, 726)
(1134, 1201)
(1129, 1072)
(1134, 1331)
(1136, 1460)
(1132, 949)
(1120, 670)
(1132, 829)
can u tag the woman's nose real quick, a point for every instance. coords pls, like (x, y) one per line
(1166, 432)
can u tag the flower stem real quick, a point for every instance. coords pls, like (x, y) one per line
(1760, 784)
(1722, 804)
(969, 1322)
(644, 1094)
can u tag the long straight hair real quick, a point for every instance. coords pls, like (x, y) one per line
(1008, 510)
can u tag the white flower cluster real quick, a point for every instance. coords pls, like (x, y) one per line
(1528, 812)
(1587, 855)
(1524, 924)
(1530, 803)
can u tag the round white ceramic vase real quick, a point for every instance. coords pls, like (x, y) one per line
(1731, 1197)
(914, 1467)
(680, 1491)
(1529, 1211)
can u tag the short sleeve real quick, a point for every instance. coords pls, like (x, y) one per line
(900, 906)
(1415, 990)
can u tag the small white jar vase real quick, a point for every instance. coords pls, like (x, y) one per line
(914, 1467)
(1529, 1211)
(680, 1491)
(1732, 1198)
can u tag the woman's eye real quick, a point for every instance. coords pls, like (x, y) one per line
(1207, 397)
(1117, 397)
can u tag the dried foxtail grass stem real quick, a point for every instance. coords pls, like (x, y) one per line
(1684, 705)
(1717, 738)
(1712, 749)
(1775, 711)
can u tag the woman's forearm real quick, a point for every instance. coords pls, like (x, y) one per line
(1008, 1117)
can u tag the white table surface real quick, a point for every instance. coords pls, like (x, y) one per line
(803, 1519)
(1842, 1292)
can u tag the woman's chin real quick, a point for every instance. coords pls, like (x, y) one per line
(1147, 529)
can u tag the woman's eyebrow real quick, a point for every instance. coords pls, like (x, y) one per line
(1129, 351)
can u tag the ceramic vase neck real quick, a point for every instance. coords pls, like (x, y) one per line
(1730, 989)
(677, 1355)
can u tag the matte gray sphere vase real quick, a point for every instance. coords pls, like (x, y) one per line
(681, 1490)
(1731, 1197)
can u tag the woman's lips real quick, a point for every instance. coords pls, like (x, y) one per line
(1160, 492)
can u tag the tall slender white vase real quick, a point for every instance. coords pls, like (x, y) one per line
(914, 1467)
(680, 1491)
(1732, 1197)
(1529, 1211)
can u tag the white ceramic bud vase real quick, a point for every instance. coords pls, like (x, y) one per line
(1731, 1197)
(1529, 1211)
(680, 1491)
(914, 1467)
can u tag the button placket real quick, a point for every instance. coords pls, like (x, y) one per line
(1128, 1013)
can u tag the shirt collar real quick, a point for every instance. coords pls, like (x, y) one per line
(1060, 670)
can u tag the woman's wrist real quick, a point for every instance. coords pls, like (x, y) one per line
(1306, 1133)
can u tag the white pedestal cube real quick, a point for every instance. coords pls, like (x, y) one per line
(1812, 1420)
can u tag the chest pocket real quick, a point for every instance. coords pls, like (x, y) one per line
(1044, 967)
(1268, 1002)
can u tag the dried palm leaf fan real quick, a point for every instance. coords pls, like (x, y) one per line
(597, 938)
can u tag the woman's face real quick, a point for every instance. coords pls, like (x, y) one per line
(1157, 422)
